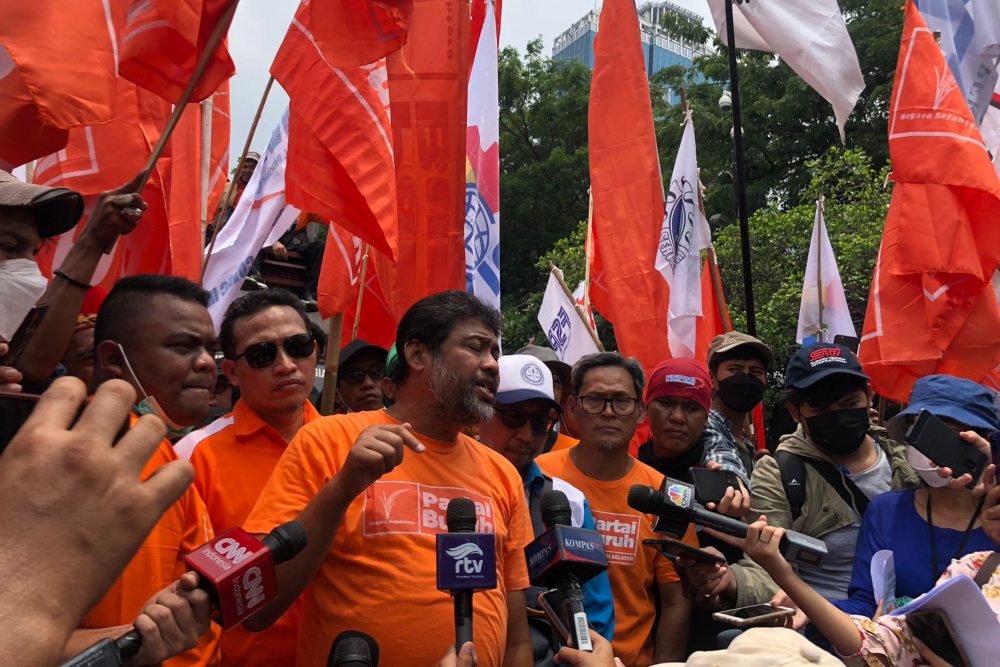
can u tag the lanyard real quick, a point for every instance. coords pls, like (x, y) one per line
(961, 545)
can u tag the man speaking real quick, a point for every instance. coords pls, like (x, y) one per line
(372, 490)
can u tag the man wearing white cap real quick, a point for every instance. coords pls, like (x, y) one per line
(525, 411)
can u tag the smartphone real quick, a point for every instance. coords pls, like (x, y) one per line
(711, 485)
(675, 548)
(24, 333)
(934, 439)
(551, 603)
(850, 342)
(933, 628)
(756, 614)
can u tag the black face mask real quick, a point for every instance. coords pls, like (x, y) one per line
(741, 392)
(840, 432)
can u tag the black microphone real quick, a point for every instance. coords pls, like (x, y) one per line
(557, 512)
(353, 649)
(234, 568)
(466, 562)
(676, 508)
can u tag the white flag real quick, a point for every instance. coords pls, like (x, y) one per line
(260, 218)
(562, 324)
(810, 36)
(684, 234)
(821, 270)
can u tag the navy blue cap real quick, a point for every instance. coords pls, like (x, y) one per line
(815, 362)
(964, 401)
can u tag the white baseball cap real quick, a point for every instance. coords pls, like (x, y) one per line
(524, 378)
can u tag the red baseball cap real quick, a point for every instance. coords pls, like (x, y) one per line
(683, 378)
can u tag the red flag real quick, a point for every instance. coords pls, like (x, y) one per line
(161, 43)
(715, 313)
(627, 190)
(107, 156)
(478, 12)
(359, 32)
(932, 308)
(340, 154)
(48, 85)
(339, 282)
(427, 88)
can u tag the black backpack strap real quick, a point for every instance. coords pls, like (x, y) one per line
(793, 478)
(842, 484)
(986, 571)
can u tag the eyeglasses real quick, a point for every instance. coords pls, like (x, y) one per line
(622, 406)
(262, 355)
(541, 422)
(357, 375)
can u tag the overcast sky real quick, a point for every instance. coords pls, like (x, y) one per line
(260, 25)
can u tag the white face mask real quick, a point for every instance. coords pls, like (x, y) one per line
(23, 284)
(922, 466)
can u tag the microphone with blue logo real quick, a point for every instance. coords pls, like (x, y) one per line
(565, 557)
(466, 562)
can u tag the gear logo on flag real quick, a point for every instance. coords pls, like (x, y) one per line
(675, 239)
(479, 220)
(559, 332)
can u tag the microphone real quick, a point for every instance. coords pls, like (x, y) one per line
(676, 508)
(353, 649)
(466, 562)
(565, 557)
(236, 570)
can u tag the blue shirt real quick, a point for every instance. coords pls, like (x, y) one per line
(597, 600)
(891, 522)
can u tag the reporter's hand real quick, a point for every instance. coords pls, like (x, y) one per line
(735, 502)
(279, 250)
(601, 657)
(705, 582)
(762, 547)
(962, 482)
(172, 621)
(377, 450)
(467, 658)
(10, 378)
(796, 622)
(115, 214)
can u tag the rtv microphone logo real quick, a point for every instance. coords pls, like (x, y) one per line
(464, 558)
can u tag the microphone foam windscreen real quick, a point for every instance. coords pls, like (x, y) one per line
(555, 509)
(286, 541)
(353, 649)
(642, 498)
(461, 516)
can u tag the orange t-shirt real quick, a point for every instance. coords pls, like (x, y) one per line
(380, 574)
(233, 457)
(634, 569)
(562, 442)
(158, 563)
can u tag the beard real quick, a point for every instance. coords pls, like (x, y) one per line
(456, 397)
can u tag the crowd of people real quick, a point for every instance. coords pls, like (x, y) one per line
(133, 432)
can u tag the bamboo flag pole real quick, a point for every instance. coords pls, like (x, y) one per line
(332, 364)
(821, 335)
(579, 309)
(227, 196)
(361, 292)
(213, 41)
(207, 109)
(588, 255)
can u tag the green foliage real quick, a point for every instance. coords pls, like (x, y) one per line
(684, 28)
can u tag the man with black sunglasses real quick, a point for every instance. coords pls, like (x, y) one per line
(651, 614)
(525, 412)
(359, 377)
(270, 357)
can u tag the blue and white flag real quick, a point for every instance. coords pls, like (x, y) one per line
(260, 218)
(970, 41)
(563, 325)
(684, 234)
(821, 319)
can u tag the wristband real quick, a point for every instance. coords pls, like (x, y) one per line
(72, 281)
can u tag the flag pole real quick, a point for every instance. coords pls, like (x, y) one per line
(741, 187)
(588, 257)
(579, 309)
(361, 291)
(821, 335)
(227, 196)
(207, 109)
(332, 363)
(206, 55)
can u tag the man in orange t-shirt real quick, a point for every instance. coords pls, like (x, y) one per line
(270, 356)
(372, 512)
(606, 405)
(154, 332)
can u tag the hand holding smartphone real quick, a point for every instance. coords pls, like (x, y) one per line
(757, 614)
(934, 439)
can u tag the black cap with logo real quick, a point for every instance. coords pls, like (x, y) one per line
(815, 362)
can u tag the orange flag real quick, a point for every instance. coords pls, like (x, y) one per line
(359, 32)
(427, 89)
(104, 157)
(161, 43)
(48, 85)
(627, 190)
(339, 282)
(340, 153)
(932, 308)
(715, 313)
